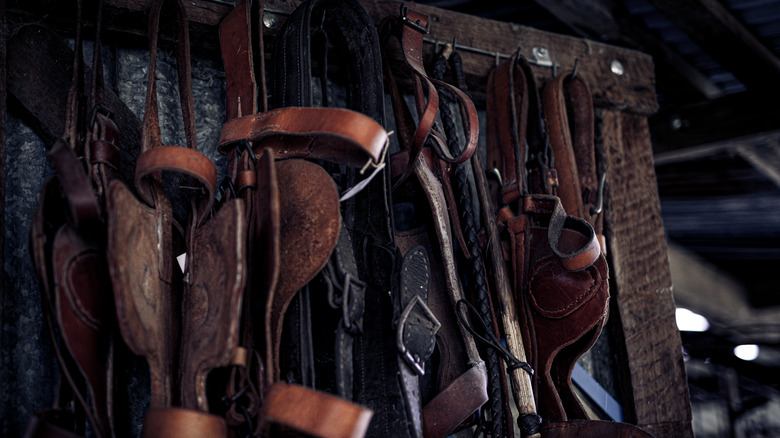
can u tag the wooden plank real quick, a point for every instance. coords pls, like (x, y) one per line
(39, 77)
(659, 400)
(633, 90)
(723, 37)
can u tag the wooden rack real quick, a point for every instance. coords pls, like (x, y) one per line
(649, 355)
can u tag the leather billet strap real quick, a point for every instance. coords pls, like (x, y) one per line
(338, 135)
(568, 112)
(517, 141)
(238, 57)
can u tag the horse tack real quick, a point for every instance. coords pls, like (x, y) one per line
(68, 246)
(142, 251)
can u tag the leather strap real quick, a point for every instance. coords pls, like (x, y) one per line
(416, 328)
(410, 28)
(337, 135)
(168, 422)
(568, 112)
(315, 413)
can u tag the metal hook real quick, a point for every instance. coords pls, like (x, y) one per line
(600, 200)
(576, 67)
(498, 58)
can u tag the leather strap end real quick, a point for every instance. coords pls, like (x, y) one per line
(313, 412)
(165, 422)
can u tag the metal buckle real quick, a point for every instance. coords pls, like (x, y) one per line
(415, 361)
(413, 24)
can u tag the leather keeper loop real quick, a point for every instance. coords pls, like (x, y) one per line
(246, 179)
(103, 152)
(580, 257)
(84, 209)
(182, 160)
(165, 422)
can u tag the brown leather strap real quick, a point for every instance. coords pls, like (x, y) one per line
(181, 160)
(175, 422)
(314, 413)
(185, 160)
(151, 137)
(413, 26)
(338, 135)
(446, 410)
(235, 36)
(507, 120)
(568, 112)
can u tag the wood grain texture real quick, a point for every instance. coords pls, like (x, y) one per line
(633, 91)
(639, 265)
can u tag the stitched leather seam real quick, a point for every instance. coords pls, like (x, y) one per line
(586, 294)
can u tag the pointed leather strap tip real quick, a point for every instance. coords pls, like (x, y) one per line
(338, 135)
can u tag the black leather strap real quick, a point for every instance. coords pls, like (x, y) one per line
(416, 328)
(345, 30)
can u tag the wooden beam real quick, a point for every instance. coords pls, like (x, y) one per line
(725, 38)
(632, 90)
(639, 270)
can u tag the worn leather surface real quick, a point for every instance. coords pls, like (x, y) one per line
(176, 422)
(309, 223)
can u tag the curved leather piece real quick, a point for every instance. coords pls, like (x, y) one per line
(140, 245)
(83, 299)
(298, 409)
(176, 422)
(309, 225)
(181, 160)
(563, 307)
(211, 303)
(338, 135)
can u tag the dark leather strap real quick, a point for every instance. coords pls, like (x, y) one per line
(416, 328)
(476, 273)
